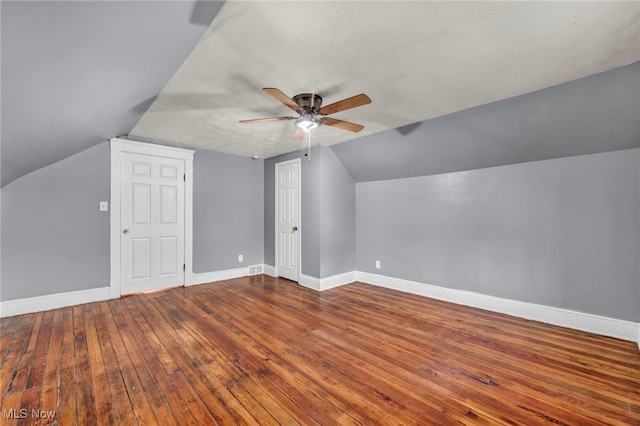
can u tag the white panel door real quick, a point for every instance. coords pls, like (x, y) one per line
(152, 221)
(288, 220)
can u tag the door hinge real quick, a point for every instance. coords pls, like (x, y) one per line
(184, 177)
(184, 266)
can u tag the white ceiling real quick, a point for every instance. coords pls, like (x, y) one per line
(416, 60)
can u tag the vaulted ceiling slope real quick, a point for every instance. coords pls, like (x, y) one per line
(77, 73)
(417, 60)
(595, 114)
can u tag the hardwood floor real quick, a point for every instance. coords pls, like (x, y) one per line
(265, 351)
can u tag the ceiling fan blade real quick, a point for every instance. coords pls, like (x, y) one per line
(264, 120)
(352, 102)
(298, 134)
(344, 125)
(276, 93)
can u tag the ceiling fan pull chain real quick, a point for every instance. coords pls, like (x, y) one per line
(309, 148)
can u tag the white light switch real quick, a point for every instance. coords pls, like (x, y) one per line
(104, 206)
(240, 258)
(377, 264)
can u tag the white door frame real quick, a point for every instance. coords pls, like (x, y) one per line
(277, 211)
(118, 146)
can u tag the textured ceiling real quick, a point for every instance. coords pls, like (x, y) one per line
(416, 60)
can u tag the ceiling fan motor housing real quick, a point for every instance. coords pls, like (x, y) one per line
(309, 102)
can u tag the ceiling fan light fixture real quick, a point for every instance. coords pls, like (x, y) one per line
(307, 122)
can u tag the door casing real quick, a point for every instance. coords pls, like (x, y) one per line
(299, 212)
(117, 147)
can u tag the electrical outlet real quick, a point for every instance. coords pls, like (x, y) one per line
(240, 258)
(377, 264)
(104, 206)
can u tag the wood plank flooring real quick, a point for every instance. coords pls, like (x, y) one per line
(266, 351)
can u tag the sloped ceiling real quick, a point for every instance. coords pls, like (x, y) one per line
(417, 60)
(77, 73)
(594, 114)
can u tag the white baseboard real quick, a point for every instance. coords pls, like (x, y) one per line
(606, 326)
(337, 280)
(620, 329)
(61, 300)
(269, 270)
(28, 305)
(309, 282)
(226, 274)
(321, 284)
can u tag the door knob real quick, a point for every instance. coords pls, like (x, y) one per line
(125, 231)
(295, 228)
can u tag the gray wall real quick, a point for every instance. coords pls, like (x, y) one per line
(327, 216)
(338, 221)
(54, 238)
(310, 213)
(561, 232)
(228, 211)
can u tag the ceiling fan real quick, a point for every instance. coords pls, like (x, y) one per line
(311, 113)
